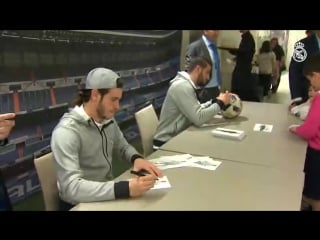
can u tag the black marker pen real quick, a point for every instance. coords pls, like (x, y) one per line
(139, 173)
(227, 131)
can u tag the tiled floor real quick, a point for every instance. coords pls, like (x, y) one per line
(283, 93)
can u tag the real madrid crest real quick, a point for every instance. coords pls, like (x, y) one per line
(299, 53)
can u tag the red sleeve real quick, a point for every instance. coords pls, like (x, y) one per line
(311, 125)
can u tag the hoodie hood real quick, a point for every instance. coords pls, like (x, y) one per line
(78, 115)
(183, 76)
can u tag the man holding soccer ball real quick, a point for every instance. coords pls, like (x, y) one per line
(181, 108)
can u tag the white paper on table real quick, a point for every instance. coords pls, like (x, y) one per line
(259, 127)
(205, 163)
(161, 183)
(175, 161)
(185, 160)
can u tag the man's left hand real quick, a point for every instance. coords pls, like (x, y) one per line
(141, 163)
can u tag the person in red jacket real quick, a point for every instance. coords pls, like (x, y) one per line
(310, 131)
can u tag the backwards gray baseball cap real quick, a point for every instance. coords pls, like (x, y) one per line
(101, 78)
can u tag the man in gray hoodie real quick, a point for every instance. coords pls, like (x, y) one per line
(85, 140)
(181, 108)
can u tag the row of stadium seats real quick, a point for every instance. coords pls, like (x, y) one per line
(37, 99)
(114, 37)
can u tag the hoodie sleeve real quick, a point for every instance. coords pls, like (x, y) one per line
(310, 128)
(188, 104)
(73, 187)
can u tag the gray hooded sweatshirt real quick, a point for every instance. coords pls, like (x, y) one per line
(83, 155)
(181, 108)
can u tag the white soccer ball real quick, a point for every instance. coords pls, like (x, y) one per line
(235, 107)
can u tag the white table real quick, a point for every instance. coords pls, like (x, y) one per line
(232, 186)
(278, 149)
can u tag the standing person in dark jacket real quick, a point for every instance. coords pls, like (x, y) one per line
(6, 124)
(206, 47)
(306, 47)
(242, 82)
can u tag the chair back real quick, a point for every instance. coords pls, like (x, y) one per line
(48, 181)
(147, 121)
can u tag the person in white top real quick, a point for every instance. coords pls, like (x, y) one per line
(266, 60)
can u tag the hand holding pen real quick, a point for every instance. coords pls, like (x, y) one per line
(140, 184)
(147, 166)
(141, 173)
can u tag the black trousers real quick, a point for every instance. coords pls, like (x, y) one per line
(158, 143)
(64, 206)
(265, 83)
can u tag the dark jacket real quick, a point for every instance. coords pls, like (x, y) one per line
(241, 77)
(196, 49)
(298, 83)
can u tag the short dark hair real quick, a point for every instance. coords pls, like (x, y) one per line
(199, 61)
(309, 31)
(312, 64)
(266, 47)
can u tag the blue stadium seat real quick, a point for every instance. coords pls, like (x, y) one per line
(155, 76)
(23, 131)
(34, 147)
(48, 127)
(31, 100)
(8, 157)
(144, 80)
(6, 102)
(65, 94)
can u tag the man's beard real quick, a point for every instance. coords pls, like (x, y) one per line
(201, 84)
(100, 113)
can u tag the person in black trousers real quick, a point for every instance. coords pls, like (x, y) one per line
(242, 82)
